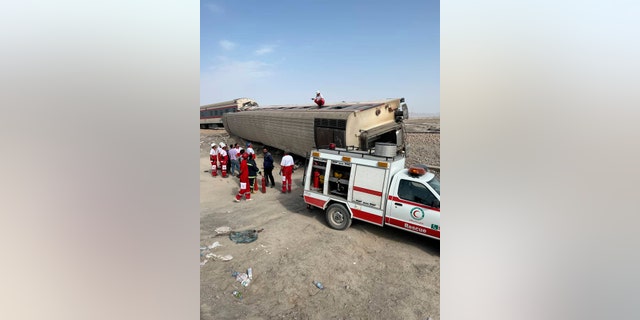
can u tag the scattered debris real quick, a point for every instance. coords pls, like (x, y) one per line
(237, 294)
(243, 278)
(218, 257)
(223, 230)
(246, 236)
(214, 245)
(318, 284)
(204, 251)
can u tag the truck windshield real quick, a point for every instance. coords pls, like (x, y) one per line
(435, 184)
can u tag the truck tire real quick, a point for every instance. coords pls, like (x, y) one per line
(338, 216)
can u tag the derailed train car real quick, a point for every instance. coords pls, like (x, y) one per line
(211, 114)
(299, 129)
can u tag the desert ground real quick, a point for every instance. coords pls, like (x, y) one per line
(368, 272)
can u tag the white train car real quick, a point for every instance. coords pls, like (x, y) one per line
(211, 114)
(298, 129)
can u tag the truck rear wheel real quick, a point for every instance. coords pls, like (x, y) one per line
(338, 216)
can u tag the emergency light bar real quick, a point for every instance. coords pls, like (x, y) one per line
(417, 171)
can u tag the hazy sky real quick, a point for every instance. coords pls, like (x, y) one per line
(281, 52)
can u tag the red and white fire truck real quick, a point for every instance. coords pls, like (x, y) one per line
(373, 187)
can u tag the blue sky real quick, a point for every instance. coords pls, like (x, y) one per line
(282, 51)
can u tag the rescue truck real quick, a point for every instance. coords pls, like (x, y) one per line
(373, 186)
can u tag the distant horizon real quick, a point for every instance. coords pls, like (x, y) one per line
(423, 115)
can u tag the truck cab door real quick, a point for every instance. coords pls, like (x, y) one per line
(414, 207)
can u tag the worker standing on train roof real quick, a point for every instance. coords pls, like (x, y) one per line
(286, 170)
(319, 100)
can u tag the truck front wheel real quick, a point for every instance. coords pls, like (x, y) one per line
(338, 216)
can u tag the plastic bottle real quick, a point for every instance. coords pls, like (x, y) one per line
(318, 284)
(241, 277)
(250, 273)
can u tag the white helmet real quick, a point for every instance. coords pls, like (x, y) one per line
(222, 145)
(213, 144)
(317, 91)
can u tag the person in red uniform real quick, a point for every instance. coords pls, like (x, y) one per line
(319, 100)
(286, 170)
(213, 158)
(244, 178)
(223, 158)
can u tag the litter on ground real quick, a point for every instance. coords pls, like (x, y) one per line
(246, 236)
(222, 230)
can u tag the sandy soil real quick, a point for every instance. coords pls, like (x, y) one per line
(368, 272)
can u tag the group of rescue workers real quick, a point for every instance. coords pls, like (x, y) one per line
(241, 163)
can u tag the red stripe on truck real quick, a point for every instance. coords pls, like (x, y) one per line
(369, 191)
(366, 216)
(314, 202)
(414, 227)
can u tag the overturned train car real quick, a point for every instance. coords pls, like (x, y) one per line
(299, 129)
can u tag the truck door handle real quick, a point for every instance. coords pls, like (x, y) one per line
(398, 204)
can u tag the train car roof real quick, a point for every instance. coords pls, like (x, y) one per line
(224, 103)
(344, 106)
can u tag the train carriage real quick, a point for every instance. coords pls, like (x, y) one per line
(298, 129)
(211, 114)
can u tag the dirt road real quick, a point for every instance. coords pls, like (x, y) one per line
(368, 272)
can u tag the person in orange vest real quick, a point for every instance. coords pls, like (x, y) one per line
(319, 100)
(286, 170)
(244, 178)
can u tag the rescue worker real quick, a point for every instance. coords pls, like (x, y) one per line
(223, 158)
(319, 100)
(253, 172)
(213, 158)
(268, 167)
(244, 178)
(286, 170)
